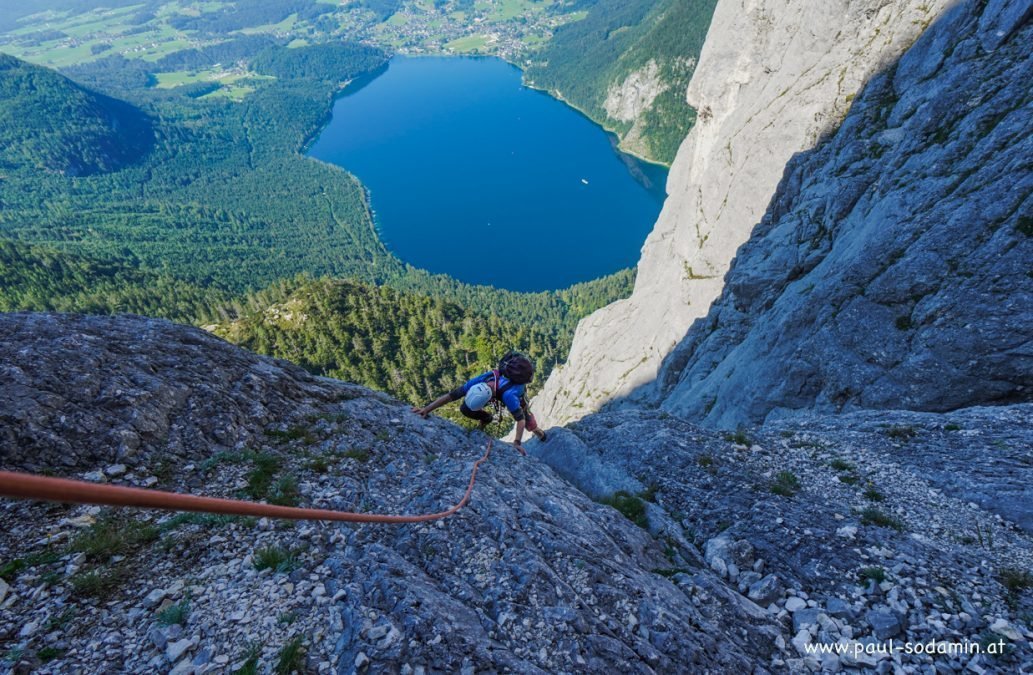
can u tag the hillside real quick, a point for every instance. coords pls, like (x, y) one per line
(39, 278)
(49, 123)
(411, 345)
(627, 65)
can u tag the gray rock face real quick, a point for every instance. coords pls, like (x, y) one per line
(773, 78)
(532, 576)
(892, 267)
(82, 391)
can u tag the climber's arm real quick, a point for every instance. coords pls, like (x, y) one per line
(436, 403)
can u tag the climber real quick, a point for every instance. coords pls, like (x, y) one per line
(505, 385)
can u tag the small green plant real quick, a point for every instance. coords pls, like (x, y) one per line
(275, 558)
(296, 433)
(900, 433)
(250, 665)
(873, 495)
(383, 435)
(319, 465)
(670, 571)
(952, 427)
(430, 458)
(287, 618)
(707, 463)
(48, 654)
(739, 437)
(786, 484)
(175, 614)
(839, 464)
(10, 570)
(291, 658)
(649, 494)
(98, 583)
(630, 506)
(59, 621)
(260, 478)
(849, 478)
(358, 454)
(876, 574)
(112, 536)
(1015, 581)
(873, 516)
(286, 492)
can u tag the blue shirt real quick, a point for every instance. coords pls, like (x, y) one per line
(510, 397)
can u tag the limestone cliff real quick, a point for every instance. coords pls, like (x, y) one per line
(771, 80)
(892, 268)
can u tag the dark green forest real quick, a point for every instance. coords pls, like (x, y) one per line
(35, 278)
(584, 58)
(411, 345)
(50, 124)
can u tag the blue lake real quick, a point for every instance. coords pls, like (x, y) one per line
(473, 175)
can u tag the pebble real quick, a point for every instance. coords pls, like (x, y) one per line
(795, 604)
(174, 650)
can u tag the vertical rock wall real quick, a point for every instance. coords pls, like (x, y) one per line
(772, 79)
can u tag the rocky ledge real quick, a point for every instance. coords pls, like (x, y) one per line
(849, 530)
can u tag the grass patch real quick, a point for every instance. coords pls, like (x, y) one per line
(319, 465)
(111, 536)
(10, 570)
(250, 665)
(260, 478)
(48, 654)
(876, 574)
(174, 614)
(99, 583)
(841, 465)
(357, 454)
(873, 516)
(291, 658)
(739, 437)
(275, 558)
(1015, 581)
(900, 433)
(286, 492)
(670, 571)
(873, 495)
(849, 478)
(296, 433)
(786, 484)
(630, 506)
(707, 463)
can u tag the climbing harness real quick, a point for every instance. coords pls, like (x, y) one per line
(43, 488)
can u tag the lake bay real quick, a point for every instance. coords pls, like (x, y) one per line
(473, 175)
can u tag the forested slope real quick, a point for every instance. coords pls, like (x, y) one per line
(628, 64)
(49, 123)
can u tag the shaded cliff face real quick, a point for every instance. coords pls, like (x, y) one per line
(892, 268)
(771, 79)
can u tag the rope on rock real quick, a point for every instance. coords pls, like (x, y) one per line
(43, 488)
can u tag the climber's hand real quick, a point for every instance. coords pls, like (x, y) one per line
(422, 412)
(520, 448)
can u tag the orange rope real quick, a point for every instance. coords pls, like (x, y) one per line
(29, 486)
